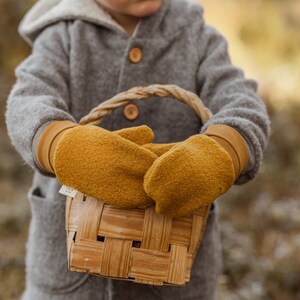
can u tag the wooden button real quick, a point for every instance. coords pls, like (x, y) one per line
(131, 112)
(135, 55)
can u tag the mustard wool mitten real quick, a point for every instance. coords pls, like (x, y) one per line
(53, 133)
(195, 172)
(106, 165)
(159, 149)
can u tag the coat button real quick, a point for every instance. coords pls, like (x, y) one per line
(135, 55)
(131, 112)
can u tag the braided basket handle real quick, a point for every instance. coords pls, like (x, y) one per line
(96, 115)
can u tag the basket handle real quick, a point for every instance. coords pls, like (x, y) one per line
(96, 115)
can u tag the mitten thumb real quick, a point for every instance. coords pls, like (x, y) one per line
(139, 135)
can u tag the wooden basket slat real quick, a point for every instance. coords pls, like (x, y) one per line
(70, 241)
(87, 258)
(181, 231)
(68, 216)
(178, 261)
(122, 224)
(152, 282)
(93, 244)
(202, 211)
(116, 257)
(74, 208)
(90, 219)
(198, 223)
(149, 265)
(189, 264)
(156, 231)
(74, 269)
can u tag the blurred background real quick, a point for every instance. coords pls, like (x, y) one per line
(260, 221)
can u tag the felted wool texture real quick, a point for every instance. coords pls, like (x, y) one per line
(55, 83)
(46, 12)
(103, 165)
(141, 135)
(79, 61)
(192, 174)
(159, 149)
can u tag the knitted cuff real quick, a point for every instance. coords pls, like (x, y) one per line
(48, 142)
(232, 141)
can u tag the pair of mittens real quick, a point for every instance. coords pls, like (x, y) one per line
(193, 173)
(124, 169)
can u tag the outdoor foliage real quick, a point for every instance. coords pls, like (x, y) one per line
(260, 221)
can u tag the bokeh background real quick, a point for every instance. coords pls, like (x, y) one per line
(260, 221)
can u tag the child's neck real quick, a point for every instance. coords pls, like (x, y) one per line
(129, 23)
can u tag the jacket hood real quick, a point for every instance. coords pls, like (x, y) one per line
(46, 12)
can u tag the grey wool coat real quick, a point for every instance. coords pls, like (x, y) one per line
(80, 58)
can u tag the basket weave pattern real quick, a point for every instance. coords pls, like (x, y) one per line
(133, 244)
(138, 244)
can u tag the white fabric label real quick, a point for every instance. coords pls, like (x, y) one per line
(67, 191)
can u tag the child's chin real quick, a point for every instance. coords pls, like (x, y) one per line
(146, 8)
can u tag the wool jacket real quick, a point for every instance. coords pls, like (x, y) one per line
(80, 58)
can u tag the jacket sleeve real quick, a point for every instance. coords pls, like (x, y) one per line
(232, 99)
(41, 92)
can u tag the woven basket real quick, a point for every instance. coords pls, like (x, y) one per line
(138, 244)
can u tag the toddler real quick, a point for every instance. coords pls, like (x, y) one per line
(86, 51)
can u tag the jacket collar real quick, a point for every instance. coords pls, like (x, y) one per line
(47, 12)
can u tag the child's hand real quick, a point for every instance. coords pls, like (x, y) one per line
(191, 174)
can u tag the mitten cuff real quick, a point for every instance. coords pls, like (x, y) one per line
(48, 142)
(232, 141)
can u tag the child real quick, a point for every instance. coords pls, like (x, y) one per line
(86, 51)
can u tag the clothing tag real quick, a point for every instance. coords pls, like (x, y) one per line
(67, 191)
